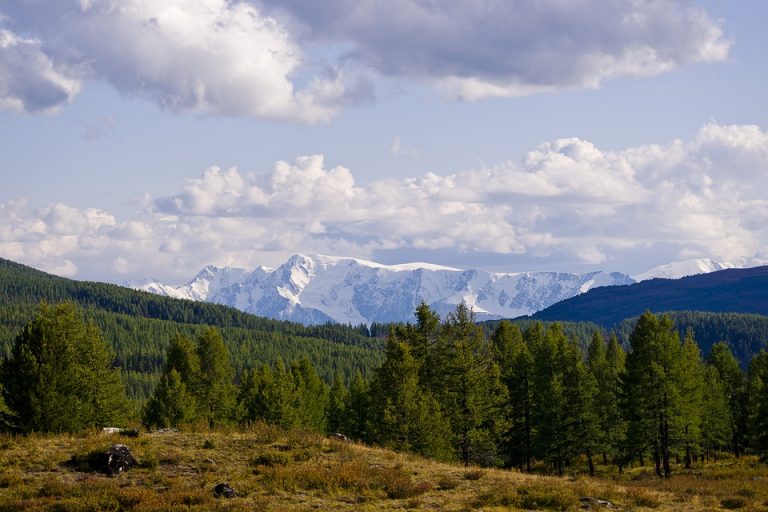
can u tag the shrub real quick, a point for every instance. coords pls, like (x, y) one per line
(474, 474)
(733, 503)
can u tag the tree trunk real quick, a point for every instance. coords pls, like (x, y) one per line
(591, 463)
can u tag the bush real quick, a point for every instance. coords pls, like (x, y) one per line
(733, 503)
(474, 474)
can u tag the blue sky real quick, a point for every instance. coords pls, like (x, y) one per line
(147, 138)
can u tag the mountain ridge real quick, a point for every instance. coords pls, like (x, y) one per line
(318, 288)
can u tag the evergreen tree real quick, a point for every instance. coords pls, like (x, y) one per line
(182, 357)
(734, 384)
(613, 424)
(691, 387)
(312, 395)
(582, 425)
(214, 389)
(758, 404)
(715, 413)
(549, 440)
(171, 404)
(355, 419)
(338, 399)
(404, 416)
(652, 390)
(516, 363)
(472, 395)
(59, 376)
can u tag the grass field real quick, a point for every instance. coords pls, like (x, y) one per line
(276, 470)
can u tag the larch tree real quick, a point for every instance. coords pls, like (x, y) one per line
(59, 376)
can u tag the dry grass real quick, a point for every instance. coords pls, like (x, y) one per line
(291, 471)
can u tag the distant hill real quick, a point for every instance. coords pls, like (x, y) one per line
(732, 290)
(140, 325)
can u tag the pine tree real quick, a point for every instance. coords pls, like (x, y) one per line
(59, 376)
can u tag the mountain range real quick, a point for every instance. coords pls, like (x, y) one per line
(317, 289)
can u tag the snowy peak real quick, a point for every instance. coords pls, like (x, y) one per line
(678, 269)
(316, 289)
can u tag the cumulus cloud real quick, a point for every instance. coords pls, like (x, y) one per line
(206, 56)
(564, 202)
(480, 49)
(302, 61)
(29, 79)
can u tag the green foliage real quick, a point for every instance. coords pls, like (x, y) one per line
(402, 414)
(59, 376)
(140, 326)
(758, 404)
(171, 403)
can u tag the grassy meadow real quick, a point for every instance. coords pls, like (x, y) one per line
(272, 469)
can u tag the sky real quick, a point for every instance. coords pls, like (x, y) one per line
(148, 138)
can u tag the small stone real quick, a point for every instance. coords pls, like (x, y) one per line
(223, 490)
(115, 460)
(340, 437)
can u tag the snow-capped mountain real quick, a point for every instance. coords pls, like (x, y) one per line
(317, 289)
(678, 269)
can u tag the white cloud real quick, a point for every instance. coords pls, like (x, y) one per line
(563, 201)
(250, 57)
(29, 79)
(205, 56)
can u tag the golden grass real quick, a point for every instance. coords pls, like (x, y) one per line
(275, 470)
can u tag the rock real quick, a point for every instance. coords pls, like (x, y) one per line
(115, 460)
(223, 490)
(589, 503)
(129, 432)
(340, 437)
(111, 430)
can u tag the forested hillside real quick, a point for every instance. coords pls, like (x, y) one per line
(733, 290)
(140, 326)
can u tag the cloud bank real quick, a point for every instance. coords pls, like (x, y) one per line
(564, 202)
(240, 58)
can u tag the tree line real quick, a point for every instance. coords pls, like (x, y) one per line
(530, 398)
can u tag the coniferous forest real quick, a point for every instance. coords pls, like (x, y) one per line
(532, 398)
